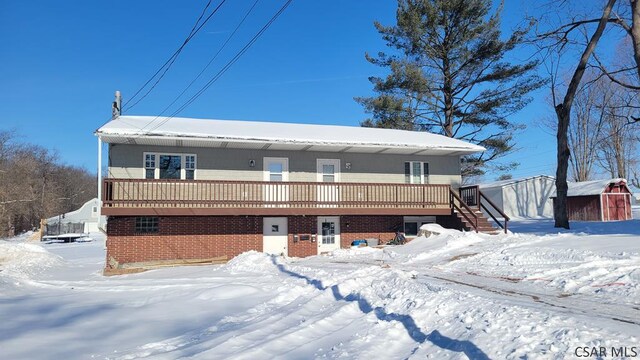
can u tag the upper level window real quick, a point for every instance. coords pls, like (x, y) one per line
(189, 166)
(416, 172)
(276, 170)
(149, 166)
(169, 166)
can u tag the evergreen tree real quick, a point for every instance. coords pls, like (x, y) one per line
(448, 75)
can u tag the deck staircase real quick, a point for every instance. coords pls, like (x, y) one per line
(467, 206)
(484, 226)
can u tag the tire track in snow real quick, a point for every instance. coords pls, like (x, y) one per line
(570, 305)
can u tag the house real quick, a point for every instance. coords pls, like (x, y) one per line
(599, 200)
(180, 188)
(522, 198)
(85, 219)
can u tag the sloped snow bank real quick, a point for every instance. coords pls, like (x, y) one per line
(251, 261)
(24, 260)
(441, 242)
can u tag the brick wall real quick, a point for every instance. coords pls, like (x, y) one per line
(302, 225)
(183, 237)
(355, 227)
(202, 237)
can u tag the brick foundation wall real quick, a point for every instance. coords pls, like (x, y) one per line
(183, 237)
(202, 237)
(355, 227)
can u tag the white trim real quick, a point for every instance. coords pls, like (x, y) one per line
(99, 212)
(285, 167)
(601, 208)
(608, 212)
(156, 171)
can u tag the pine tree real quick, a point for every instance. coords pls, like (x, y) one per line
(448, 75)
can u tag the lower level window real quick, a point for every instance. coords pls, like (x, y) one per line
(146, 224)
(412, 224)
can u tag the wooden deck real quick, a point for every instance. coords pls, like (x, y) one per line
(225, 197)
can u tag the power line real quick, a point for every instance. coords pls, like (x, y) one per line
(167, 64)
(226, 67)
(215, 56)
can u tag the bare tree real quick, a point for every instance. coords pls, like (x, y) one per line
(591, 105)
(35, 185)
(617, 150)
(563, 113)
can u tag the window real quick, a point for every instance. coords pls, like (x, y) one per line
(189, 166)
(169, 166)
(416, 172)
(329, 232)
(411, 228)
(146, 224)
(328, 173)
(412, 224)
(149, 166)
(275, 171)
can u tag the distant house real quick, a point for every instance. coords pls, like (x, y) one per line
(522, 198)
(599, 200)
(182, 188)
(85, 219)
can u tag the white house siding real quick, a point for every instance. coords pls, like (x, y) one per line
(126, 161)
(525, 198)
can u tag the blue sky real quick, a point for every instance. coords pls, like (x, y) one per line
(62, 61)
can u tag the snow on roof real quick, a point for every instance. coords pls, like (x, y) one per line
(512, 181)
(277, 133)
(594, 187)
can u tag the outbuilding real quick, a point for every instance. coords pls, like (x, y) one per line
(85, 219)
(522, 198)
(599, 200)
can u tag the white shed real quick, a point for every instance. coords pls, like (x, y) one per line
(523, 198)
(87, 214)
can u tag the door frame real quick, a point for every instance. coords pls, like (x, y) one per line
(336, 244)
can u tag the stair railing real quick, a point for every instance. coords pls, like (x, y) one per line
(474, 222)
(496, 208)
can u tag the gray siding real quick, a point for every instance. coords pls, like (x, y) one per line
(126, 161)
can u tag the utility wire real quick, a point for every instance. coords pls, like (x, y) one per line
(167, 65)
(215, 56)
(226, 67)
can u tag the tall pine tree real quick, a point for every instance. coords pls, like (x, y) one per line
(448, 75)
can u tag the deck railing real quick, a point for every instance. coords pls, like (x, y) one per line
(153, 193)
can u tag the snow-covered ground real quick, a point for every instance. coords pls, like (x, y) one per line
(537, 293)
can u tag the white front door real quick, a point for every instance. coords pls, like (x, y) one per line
(276, 170)
(328, 173)
(328, 233)
(275, 236)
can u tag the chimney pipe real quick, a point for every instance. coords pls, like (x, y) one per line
(116, 107)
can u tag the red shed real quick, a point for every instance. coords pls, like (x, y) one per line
(599, 200)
